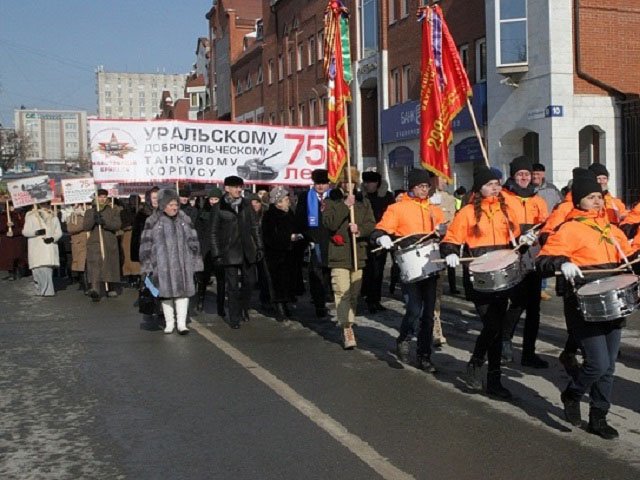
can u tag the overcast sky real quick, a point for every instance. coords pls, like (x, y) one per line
(49, 50)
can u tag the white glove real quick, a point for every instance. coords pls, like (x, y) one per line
(441, 229)
(570, 271)
(528, 238)
(452, 260)
(385, 242)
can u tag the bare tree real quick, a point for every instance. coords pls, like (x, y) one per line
(15, 147)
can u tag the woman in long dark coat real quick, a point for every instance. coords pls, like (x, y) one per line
(150, 205)
(279, 233)
(170, 253)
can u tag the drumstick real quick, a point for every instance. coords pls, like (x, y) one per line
(606, 270)
(463, 259)
(392, 243)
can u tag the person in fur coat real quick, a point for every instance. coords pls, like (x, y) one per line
(43, 230)
(170, 254)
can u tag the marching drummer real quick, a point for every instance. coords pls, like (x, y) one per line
(530, 209)
(414, 216)
(588, 240)
(486, 224)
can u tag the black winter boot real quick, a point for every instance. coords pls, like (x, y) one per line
(598, 424)
(571, 408)
(495, 388)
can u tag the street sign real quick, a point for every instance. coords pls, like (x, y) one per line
(554, 111)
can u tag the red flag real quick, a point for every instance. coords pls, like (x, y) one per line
(443, 91)
(336, 36)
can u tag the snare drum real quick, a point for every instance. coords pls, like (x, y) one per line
(416, 262)
(609, 298)
(496, 271)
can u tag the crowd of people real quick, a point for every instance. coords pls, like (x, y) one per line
(339, 236)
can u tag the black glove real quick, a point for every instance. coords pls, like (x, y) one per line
(42, 231)
(259, 255)
(48, 240)
(97, 218)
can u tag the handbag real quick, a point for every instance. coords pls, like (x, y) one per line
(147, 298)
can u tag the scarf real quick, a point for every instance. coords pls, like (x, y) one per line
(523, 193)
(233, 203)
(605, 232)
(313, 208)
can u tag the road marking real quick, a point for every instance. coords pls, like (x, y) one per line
(355, 444)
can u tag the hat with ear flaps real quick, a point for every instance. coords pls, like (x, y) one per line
(355, 175)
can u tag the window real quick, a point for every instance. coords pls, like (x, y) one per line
(239, 87)
(107, 94)
(392, 11)
(313, 105)
(311, 51)
(369, 27)
(281, 117)
(259, 75)
(481, 60)
(248, 84)
(107, 111)
(406, 82)
(320, 45)
(301, 109)
(194, 100)
(404, 8)
(323, 109)
(141, 95)
(259, 29)
(290, 62)
(270, 71)
(70, 126)
(272, 118)
(299, 56)
(292, 116)
(464, 57)
(511, 32)
(395, 86)
(141, 105)
(280, 67)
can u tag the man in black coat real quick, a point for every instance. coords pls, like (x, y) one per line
(186, 207)
(309, 222)
(374, 270)
(236, 244)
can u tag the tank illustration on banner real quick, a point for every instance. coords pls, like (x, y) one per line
(255, 169)
(39, 191)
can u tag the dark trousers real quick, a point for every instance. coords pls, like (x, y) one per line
(489, 342)
(239, 280)
(203, 279)
(451, 276)
(319, 280)
(264, 281)
(420, 305)
(525, 297)
(372, 276)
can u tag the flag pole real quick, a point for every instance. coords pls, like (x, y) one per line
(352, 212)
(477, 130)
(9, 222)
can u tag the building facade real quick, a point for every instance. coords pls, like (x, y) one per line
(56, 138)
(135, 95)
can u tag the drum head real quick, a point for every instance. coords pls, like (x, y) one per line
(492, 261)
(607, 284)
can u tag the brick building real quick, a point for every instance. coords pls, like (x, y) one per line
(229, 22)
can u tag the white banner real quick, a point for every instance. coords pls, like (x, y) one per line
(78, 190)
(168, 151)
(31, 190)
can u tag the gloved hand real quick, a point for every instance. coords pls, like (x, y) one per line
(312, 245)
(97, 218)
(48, 240)
(42, 231)
(441, 229)
(259, 255)
(385, 242)
(528, 238)
(570, 271)
(452, 260)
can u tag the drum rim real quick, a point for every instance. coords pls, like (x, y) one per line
(485, 257)
(582, 290)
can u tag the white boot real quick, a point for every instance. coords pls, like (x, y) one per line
(182, 310)
(169, 315)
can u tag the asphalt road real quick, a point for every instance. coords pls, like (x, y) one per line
(97, 391)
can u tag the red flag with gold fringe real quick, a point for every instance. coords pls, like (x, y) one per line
(444, 88)
(337, 66)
